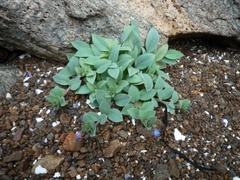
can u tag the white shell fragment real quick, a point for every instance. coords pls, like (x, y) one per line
(178, 136)
(38, 91)
(55, 123)
(39, 119)
(8, 96)
(40, 170)
(57, 175)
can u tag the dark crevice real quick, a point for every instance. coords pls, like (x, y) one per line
(212, 40)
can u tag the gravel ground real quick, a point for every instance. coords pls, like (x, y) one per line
(37, 143)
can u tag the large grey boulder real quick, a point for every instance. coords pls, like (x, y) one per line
(46, 28)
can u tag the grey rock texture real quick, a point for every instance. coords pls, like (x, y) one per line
(8, 77)
(46, 28)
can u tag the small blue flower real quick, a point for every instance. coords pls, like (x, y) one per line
(156, 132)
(78, 135)
(75, 105)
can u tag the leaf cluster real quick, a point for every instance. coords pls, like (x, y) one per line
(125, 74)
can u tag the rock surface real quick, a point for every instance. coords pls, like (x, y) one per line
(8, 77)
(46, 28)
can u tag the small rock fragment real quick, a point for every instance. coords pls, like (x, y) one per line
(96, 168)
(173, 168)
(161, 172)
(65, 119)
(49, 162)
(18, 135)
(15, 156)
(71, 144)
(113, 148)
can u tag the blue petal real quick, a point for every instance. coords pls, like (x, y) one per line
(156, 132)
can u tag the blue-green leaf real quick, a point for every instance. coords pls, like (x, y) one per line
(102, 119)
(84, 52)
(79, 44)
(166, 93)
(122, 99)
(171, 107)
(75, 83)
(143, 61)
(152, 40)
(61, 79)
(134, 93)
(159, 84)
(104, 107)
(115, 115)
(126, 33)
(114, 53)
(83, 90)
(169, 61)
(147, 80)
(72, 64)
(174, 97)
(126, 108)
(134, 113)
(102, 66)
(174, 54)
(114, 72)
(100, 42)
(148, 106)
(184, 104)
(132, 71)
(162, 51)
(144, 95)
(135, 79)
(163, 74)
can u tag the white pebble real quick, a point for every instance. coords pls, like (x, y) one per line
(143, 151)
(55, 123)
(8, 96)
(26, 79)
(59, 68)
(39, 119)
(40, 170)
(236, 178)
(178, 136)
(26, 84)
(57, 175)
(78, 176)
(133, 122)
(225, 122)
(38, 91)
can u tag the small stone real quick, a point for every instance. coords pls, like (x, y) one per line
(173, 168)
(17, 136)
(81, 163)
(161, 172)
(83, 150)
(123, 134)
(71, 144)
(36, 147)
(96, 168)
(73, 172)
(65, 119)
(48, 162)
(15, 156)
(113, 148)
(106, 135)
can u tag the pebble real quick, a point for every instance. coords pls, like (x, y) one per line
(15, 156)
(49, 162)
(71, 144)
(113, 148)
(18, 134)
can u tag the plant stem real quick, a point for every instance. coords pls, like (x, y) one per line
(68, 89)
